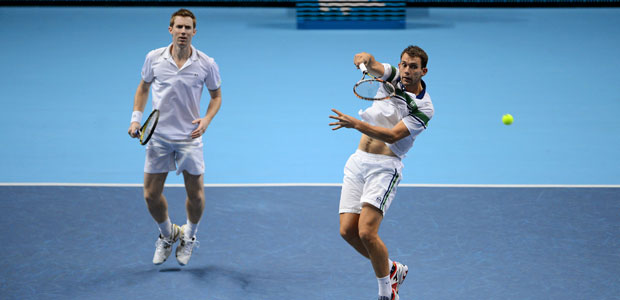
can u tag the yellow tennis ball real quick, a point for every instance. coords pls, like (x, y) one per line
(507, 119)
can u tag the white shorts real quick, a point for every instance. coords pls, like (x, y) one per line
(369, 178)
(163, 156)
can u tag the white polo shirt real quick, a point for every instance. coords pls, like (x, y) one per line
(176, 92)
(414, 110)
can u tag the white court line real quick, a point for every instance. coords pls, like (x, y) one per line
(317, 185)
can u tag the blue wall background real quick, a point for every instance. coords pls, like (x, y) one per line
(70, 74)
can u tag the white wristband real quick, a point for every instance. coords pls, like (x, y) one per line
(136, 116)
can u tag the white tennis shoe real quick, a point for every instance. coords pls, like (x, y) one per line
(185, 248)
(163, 246)
(397, 276)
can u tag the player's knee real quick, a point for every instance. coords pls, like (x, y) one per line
(367, 235)
(195, 195)
(348, 233)
(151, 197)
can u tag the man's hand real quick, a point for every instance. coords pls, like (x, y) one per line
(202, 127)
(363, 58)
(343, 120)
(133, 129)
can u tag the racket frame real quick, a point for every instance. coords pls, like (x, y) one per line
(143, 139)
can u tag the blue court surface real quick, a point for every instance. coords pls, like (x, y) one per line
(283, 243)
(484, 211)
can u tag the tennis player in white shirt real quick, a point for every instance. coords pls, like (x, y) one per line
(177, 74)
(389, 128)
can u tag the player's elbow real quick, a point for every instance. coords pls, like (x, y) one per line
(391, 138)
(395, 135)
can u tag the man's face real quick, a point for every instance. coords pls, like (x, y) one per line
(411, 70)
(182, 31)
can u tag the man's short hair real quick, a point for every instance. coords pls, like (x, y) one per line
(415, 51)
(182, 13)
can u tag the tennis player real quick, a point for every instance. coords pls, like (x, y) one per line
(372, 173)
(177, 74)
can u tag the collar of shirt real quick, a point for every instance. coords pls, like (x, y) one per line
(168, 56)
(400, 86)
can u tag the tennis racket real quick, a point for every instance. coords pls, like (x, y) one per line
(147, 129)
(373, 89)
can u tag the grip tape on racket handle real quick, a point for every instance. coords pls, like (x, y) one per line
(363, 68)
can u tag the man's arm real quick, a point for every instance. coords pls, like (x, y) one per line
(212, 109)
(139, 102)
(388, 135)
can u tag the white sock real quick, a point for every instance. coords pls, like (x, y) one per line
(193, 228)
(165, 228)
(385, 288)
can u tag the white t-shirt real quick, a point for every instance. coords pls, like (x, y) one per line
(414, 110)
(176, 92)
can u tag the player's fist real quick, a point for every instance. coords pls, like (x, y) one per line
(363, 58)
(133, 129)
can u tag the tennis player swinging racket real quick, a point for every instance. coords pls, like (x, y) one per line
(399, 112)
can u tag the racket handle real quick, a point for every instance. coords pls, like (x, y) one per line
(363, 68)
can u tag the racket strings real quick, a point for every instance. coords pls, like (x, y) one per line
(148, 128)
(374, 89)
(368, 89)
(388, 88)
